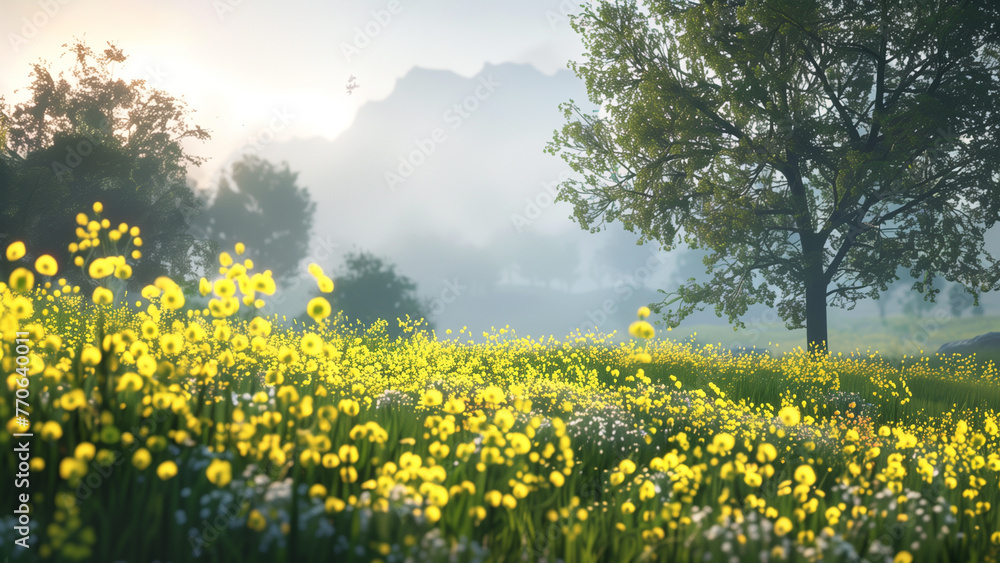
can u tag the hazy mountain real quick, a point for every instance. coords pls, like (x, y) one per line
(446, 177)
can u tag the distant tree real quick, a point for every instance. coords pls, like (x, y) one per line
(369, 289)
(262, 207)
(93, 137)
(811, 146)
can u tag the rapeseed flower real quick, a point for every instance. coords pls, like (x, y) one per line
(46, 265)
(318, 308)
(166, 470)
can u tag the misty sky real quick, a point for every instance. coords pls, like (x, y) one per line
(238, 61)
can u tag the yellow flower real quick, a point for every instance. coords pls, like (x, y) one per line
(141, 459)
(519, 442)
(805, 475)
(171, 344)
(318, 308)
(641, 329)
(627, 466)
(330, 460)
(129, 381)
(256, 521)
(334, 504)
(51, 431)
(90, 356)
(317, 491)
(224, 287)
(348, 453)
(628, 507)
(166, 470)
(903, 557)
(15, 251)
(454, 406)
(263, 284)
(557, 479)
(431, 398)
(173, 299)
(789, 416)
(643, 312)
(433, 514)
(219, 472)
(84, 451)
(71, 468)
(74, 399)
(311, 344)
(22, 280)
(492, 394)
(782, 526)
(21, 307)
(46, 265)
(647, 490)
(766, 453)
(101, 268)
(103, 296)
(325, 284)
(723, 442)
(240, 248)
(98, 207)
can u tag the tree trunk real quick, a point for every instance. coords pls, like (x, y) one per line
(816, 329)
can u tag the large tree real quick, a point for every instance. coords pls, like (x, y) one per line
(263, 207)
(87, 137)
(810, 146)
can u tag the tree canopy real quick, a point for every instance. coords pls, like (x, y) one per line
(263, 207)
(812, 147)
(369, 288)
(92, 137)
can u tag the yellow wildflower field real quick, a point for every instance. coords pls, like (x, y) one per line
(157, 427)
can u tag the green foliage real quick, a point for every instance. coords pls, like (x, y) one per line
(93, 137)
(265, 209)
(370, 289)
(811, 147)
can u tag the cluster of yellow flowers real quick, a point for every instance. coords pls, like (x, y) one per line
(630, 450)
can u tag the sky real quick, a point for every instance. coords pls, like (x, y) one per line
(239, 62)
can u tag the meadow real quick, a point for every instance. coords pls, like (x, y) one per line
(165, 431)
